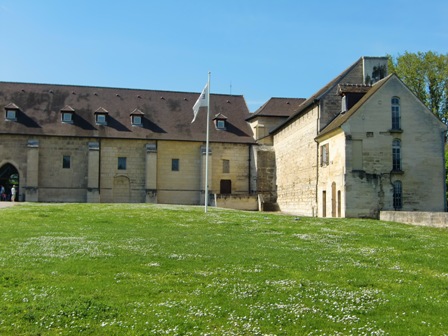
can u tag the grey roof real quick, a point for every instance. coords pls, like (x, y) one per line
(278, 107)
(317, 96)
(167, 115)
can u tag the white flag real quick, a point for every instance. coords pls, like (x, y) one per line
(202, 101)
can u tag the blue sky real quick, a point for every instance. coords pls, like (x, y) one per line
(257, 48)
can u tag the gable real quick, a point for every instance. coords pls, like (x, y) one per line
(376, 106)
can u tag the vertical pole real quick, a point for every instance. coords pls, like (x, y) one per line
(206, 144)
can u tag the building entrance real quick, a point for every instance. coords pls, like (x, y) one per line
(9, 176)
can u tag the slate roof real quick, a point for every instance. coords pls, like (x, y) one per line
(278, 107)
(167, 114)
(316, 96)
(341, 118)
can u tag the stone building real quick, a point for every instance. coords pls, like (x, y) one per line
(361, 144)
(64, 143)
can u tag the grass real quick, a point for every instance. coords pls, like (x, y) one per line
(140, 269)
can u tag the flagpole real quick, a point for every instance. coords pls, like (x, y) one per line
(206, 144)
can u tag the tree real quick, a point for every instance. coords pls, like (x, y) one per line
(426, 75)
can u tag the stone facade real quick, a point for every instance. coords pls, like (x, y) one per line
(296, 165)
(343, 152)
(337, 155)
(59, 151)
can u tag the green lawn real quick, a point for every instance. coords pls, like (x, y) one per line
(140, 269)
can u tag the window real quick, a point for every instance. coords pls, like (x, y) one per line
(66, 161)
(122, 163)
(101, 119)
(324, 155)
(397, 195)
(396, 155)
(357, 158)
(136, 120)
(67, 117)
(220, 121)
(225, 166)
(175, 165)
(395, 106)
(220, 124)
(324, 203)
(11, 115)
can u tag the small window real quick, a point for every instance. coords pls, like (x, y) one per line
(101, 119)
(397, 195)
(344, 104)
(225, 166)
(66, 161)
(220, 124)
(175, 165)
(121, 163)
(396, 155)
(136, 120)
(324, 155)
(11, 115)
(396, 117)
(67, 117)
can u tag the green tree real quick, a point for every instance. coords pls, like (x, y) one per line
(426, 75)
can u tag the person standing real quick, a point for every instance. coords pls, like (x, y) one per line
(13, 193)
(2, 193)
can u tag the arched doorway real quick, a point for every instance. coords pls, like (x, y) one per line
(9, 176)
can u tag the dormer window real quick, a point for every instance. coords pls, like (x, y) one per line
(11, 115)
(11, 111)
(67, 114)
(137, 118)
(101, 116)
(220, 121)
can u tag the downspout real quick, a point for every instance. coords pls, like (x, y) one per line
(443, 133)
(250, 168)
(316, 101)
(317, 179)
(99, 168)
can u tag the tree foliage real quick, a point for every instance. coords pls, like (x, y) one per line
(426, 75)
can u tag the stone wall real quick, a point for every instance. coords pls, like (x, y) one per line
(296, 162)
(241, 202)
(433, 219)
(94, 174)
(331, 178)
(369, 188)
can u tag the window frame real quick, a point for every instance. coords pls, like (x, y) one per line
(325, 155)
(100, 116)
(65, 114)
(11, 114)
(66, 162)
(122, 163)
(175, 165)
(397, 195)
(396, 155)
(225, 166)
(134, 119)
(221, 124)
(396, 113)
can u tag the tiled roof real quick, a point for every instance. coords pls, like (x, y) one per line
(278, 107)
(341, 118)
(167, 115)
(353, 88)
(317, 96)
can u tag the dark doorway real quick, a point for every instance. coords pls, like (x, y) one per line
(9, 176)
(225, 187)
